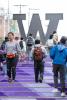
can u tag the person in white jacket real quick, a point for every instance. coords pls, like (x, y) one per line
(53, 40)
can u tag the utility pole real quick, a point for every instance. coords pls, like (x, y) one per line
(8, 18)
(20, 6)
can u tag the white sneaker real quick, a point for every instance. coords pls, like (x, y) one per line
(5, 76)
(55, 90)
(63, 94)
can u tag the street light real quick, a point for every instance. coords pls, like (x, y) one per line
(8, 17)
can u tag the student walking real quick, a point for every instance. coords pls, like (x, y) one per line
(12, 49)
(38, 53)
(23, 49)
(59, 55)
(29, 44)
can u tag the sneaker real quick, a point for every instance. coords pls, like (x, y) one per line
(9, 80)
(13, 81)
(40, 81)
(55, 90)
(63, 94)
(36, 81)
(5, 76)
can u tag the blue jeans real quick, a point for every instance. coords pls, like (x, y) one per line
(61, 70)
(11, 67)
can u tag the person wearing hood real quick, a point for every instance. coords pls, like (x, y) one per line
(38, 53)
(58, 54)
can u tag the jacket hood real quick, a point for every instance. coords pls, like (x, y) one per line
(61, 47)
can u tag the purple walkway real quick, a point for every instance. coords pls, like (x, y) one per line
(25, 88)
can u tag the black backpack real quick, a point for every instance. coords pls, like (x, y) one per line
(21, 44)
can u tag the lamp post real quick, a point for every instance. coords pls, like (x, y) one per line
(8, 18)
(20, 6)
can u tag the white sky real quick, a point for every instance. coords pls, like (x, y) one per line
(43, 6)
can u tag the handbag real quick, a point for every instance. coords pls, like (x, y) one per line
(10, 55)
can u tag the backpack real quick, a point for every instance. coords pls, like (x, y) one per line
(38, 54)
(30, 41)
(21, 44)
